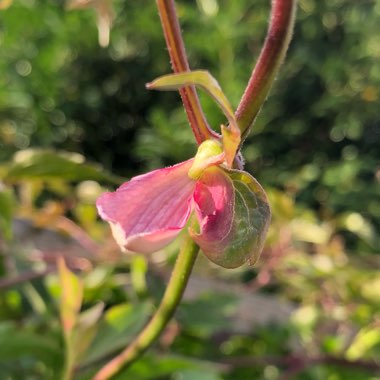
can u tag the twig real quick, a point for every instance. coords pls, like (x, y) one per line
(178, 58)
(172, 297)
(271, 57)
(6, 283)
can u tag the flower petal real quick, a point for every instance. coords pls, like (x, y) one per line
(214, 206)
(149, 211)
(234, 217)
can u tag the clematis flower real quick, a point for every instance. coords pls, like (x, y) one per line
(149, 211)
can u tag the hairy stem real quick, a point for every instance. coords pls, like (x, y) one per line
(173, 294)
(178, 58)
(271, 57)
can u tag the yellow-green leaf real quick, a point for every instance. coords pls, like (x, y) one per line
(71, 296)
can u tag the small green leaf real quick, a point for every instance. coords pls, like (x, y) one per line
(48, 164)
(169, 366)
(120, 324)
(7, 203)
(366, 339)
(139, 268)
(231, 141)
(71, 297)
(199, 78)
(85, 330)
(234, 233)
(251, 219)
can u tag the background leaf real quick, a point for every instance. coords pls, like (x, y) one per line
(44, 164)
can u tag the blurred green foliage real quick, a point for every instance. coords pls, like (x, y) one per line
(315, 147)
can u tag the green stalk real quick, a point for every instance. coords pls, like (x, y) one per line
(271, 57)
(172, 297)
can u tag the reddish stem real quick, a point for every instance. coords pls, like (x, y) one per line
(271, 57)
(178, 58)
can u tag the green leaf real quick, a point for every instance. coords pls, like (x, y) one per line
(251, 219)
(199, 78)
(85, 330)
(139, 268)
(169, 366)
(7, 203)
(48, 164)
(120, 324)
(204, 80)
(71, 297)
(248, 220)
(366, 339)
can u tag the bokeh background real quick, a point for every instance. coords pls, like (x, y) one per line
(76, 119)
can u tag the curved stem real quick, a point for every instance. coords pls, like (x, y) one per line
(178, 58)
(271, 57)
(173, 294)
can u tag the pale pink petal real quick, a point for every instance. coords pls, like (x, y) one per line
(149, 211)
(214, 205)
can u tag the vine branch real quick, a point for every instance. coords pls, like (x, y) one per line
(271, 57)
(179, 62)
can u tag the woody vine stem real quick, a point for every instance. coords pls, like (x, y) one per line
(270, 59)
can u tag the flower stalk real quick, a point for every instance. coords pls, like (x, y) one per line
(172, 297)
(179, 62)
(271, 57)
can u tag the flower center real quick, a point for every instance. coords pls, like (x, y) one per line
(209, 153)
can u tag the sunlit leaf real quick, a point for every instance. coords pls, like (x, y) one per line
(7, 203)
(203, 79)
(4, 4)
(209, 154)
(199, 78)
(231, 141)
(365, 340)
(85, 330)
(47, 164)
(139, 268)
(174, 366)
(241, 240)
(71, 296)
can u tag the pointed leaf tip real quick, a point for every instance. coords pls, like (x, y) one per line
(71, 296)
(201, 78)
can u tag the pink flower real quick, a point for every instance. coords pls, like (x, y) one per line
(149, 211)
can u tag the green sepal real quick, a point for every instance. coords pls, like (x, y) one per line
(233, 232)
(251, 220)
